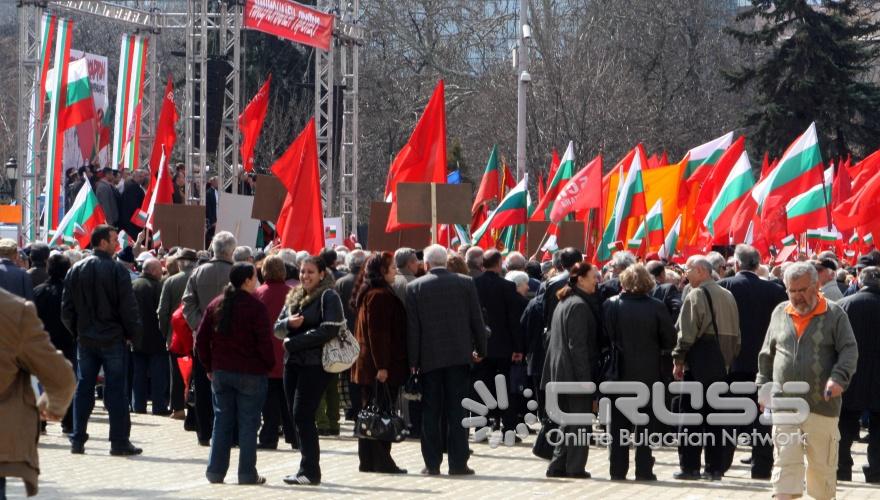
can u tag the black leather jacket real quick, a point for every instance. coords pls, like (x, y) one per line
(98, 303)
(321, 321)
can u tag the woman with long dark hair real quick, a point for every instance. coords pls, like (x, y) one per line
(311, 316)
(234, 344)
(381, 332)
(571, 353)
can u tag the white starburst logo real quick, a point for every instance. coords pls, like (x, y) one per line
(499, 401)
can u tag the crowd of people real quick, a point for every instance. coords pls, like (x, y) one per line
(254, 322)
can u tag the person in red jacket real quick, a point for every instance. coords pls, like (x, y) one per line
(381, 367)
(276, 409)
(234, 345)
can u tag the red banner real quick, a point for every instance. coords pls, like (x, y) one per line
(290, 20)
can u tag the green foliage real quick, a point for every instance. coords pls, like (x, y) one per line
(811, 64)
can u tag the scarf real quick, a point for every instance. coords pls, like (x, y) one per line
(299, 298)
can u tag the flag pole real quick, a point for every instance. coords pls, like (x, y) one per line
(541, 244)
(433, 213)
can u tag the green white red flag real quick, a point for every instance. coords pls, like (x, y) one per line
(700, 161)
(82, 218)
(563, 173)
(512, 210)
(57, 126)
(489, 189)
(799, 169)
(629, 202)
(733, 192)
(129, 93)
(670, 244)
(810, 208)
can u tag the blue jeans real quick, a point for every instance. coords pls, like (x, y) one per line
(89, 363)
(237, 397)
(155, 368)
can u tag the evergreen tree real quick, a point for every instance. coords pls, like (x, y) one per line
(812, 64)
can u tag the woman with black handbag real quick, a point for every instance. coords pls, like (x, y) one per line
(638, 327)
(380, 329)
(311, 317)
(571, 353)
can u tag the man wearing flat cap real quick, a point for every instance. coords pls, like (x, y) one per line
(827, 270)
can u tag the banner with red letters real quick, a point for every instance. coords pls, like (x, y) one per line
(290, 20)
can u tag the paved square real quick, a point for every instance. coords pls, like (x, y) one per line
(173, 466)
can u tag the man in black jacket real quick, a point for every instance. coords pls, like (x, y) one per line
(130, 201)
(665, 292)
(863, 310)
(149, 355)
(445, 332)
(755, 301)
(99, 307)
(502, 309)
(345, 288)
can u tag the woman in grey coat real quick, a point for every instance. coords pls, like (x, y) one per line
(571, 353)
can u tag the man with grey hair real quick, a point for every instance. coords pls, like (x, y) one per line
(445, 333)
(719, 264)
(205, 283)
(243, 254)
(474, 259)
(148, 349)
(809, 340)
(863, 310)
(407, 263)
(755, 301)
(620, 261)
(169, 300)
(708, 343)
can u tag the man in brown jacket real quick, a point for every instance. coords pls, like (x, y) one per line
(25, 350)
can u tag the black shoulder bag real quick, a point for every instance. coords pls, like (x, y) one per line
(704, 359)
(380, 422)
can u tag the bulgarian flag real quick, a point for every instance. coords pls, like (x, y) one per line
(868, 239)
(57, 125)
(512, 210)
(629, 202)
(651, 228)
(670, 244)
(84, 216)
(653, 224)
(489, 186)
(79, 106)
(564, 172)
(854, 239)
(789, 240)
(129, 93)
(810, 209)
(797, 171)
(733, 192)
(700, 161)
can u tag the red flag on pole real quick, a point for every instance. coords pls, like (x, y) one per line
(583, 191)
(300, 224)
(250, 122)
(423, 158)
(166, 136)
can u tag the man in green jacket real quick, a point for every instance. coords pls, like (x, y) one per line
(809, 340)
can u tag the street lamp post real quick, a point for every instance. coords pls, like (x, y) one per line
(524, 33)
(11, 178)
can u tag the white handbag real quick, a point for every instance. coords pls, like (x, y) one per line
(340, 352)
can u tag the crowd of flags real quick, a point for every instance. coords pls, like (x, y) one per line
(647, 205)
(643, 203)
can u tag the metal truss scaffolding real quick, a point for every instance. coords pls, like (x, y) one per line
(197, 22)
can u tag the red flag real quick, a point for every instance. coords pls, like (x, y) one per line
(554, 164)
(860, 208)
(479, 217)
(423, 158)
(165, 133)
(581, 192)
(160, 192)
(664, 159)
(541, 187)
(653, 161)
(508, 180)
(250, 122)
(300, 224)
